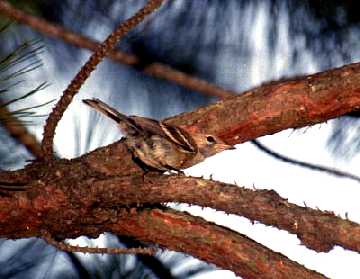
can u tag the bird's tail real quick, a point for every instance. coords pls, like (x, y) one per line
(106, 109)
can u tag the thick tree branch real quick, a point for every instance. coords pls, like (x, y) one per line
(265, 110)
(219, 245)
(279, 105)
(49, 208)
(318, 230)
(89, 186)
(155, 69)
(105, 161)
(85, 71)
(80, 194)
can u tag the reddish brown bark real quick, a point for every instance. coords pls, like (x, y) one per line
(211, 243)
(67, 212)
(92, 189)
(318, 230)
(277, 106)
(80, 194)
(78, 182)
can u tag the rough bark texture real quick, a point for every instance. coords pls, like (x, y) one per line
(90, 194)
(49, 208)
(206, 241)
(80, 185)
(318, 230)
(105, 190)
(279, 105)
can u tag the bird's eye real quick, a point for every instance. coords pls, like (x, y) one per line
(210, 140)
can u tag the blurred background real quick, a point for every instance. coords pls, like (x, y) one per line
(235, 44)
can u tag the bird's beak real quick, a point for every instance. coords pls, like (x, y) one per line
(225, 146)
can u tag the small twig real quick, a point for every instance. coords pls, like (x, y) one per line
(94, 250)
(85, 71)
(18, 131)
(306, 165)
(155, 69)
(157, 266)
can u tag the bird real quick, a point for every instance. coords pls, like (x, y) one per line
(159, 146)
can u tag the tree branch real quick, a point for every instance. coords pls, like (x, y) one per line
(18, 131)
(277, 106)
(59, 196)
(157, 267)
(221, 246)
(72, 249)
(157, 70)
(85, 71)
(89, 186)
(49, 208)
(314, 167)
(318, 230)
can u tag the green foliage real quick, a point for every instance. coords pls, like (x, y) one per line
(13, 69)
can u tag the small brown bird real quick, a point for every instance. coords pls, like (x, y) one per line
(158, 145)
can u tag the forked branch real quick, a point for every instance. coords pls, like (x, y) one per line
(155, 69)
(86, 70)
